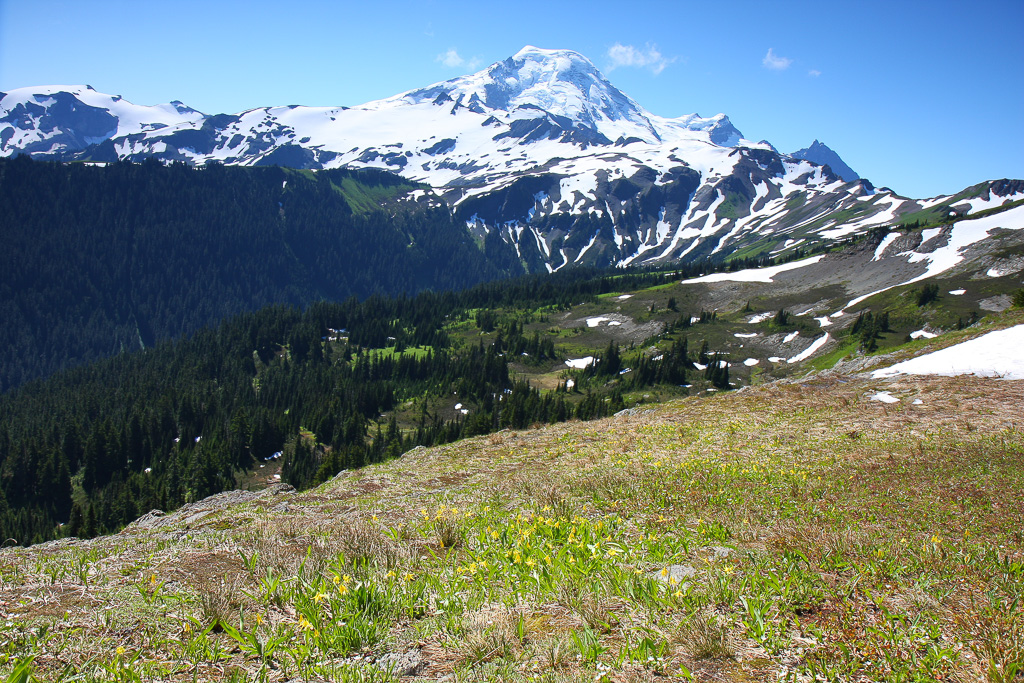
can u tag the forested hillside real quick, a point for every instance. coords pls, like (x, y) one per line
(94, 447)
(97, 260)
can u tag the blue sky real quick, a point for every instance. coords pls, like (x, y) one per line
(923, 97)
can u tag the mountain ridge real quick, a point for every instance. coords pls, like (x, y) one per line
(595, 178)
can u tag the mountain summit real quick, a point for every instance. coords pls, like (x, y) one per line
(820, 153)
(558, 82)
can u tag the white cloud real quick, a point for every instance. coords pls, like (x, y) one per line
(814, 72)
(649, 57)
(451, 58)
(773, 61)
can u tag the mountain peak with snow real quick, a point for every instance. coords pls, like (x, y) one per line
(821, 153)
(536, 82)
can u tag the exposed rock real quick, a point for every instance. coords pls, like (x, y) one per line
(148, 520)
(401, 664)
(193, 512)
(674, 574)
(996, 304)
(632, 412)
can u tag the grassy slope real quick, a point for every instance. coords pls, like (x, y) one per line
(827, 535)
(811, 531)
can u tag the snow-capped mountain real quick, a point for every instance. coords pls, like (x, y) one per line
(822, 154)
(539, 150)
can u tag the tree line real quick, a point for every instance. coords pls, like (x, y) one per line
(92, 448)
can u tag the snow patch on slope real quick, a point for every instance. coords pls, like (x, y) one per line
(755, 274)
(996, 354)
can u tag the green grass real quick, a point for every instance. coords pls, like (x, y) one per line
(413, 351)
(365, 198)
(798, 199)
(729, 208)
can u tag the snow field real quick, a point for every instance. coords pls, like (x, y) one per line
(996, 354)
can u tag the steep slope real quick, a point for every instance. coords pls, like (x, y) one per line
(539, 150)
(102, 260)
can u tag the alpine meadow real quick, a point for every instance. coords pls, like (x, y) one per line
(504, 378)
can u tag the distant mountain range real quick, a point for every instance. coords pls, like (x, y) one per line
(540, 149)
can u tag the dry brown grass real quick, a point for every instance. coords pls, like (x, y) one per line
(705, 637)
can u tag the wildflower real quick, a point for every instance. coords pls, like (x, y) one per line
(120, 650)
(318, 597)
(337, 579)
(259, 620)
